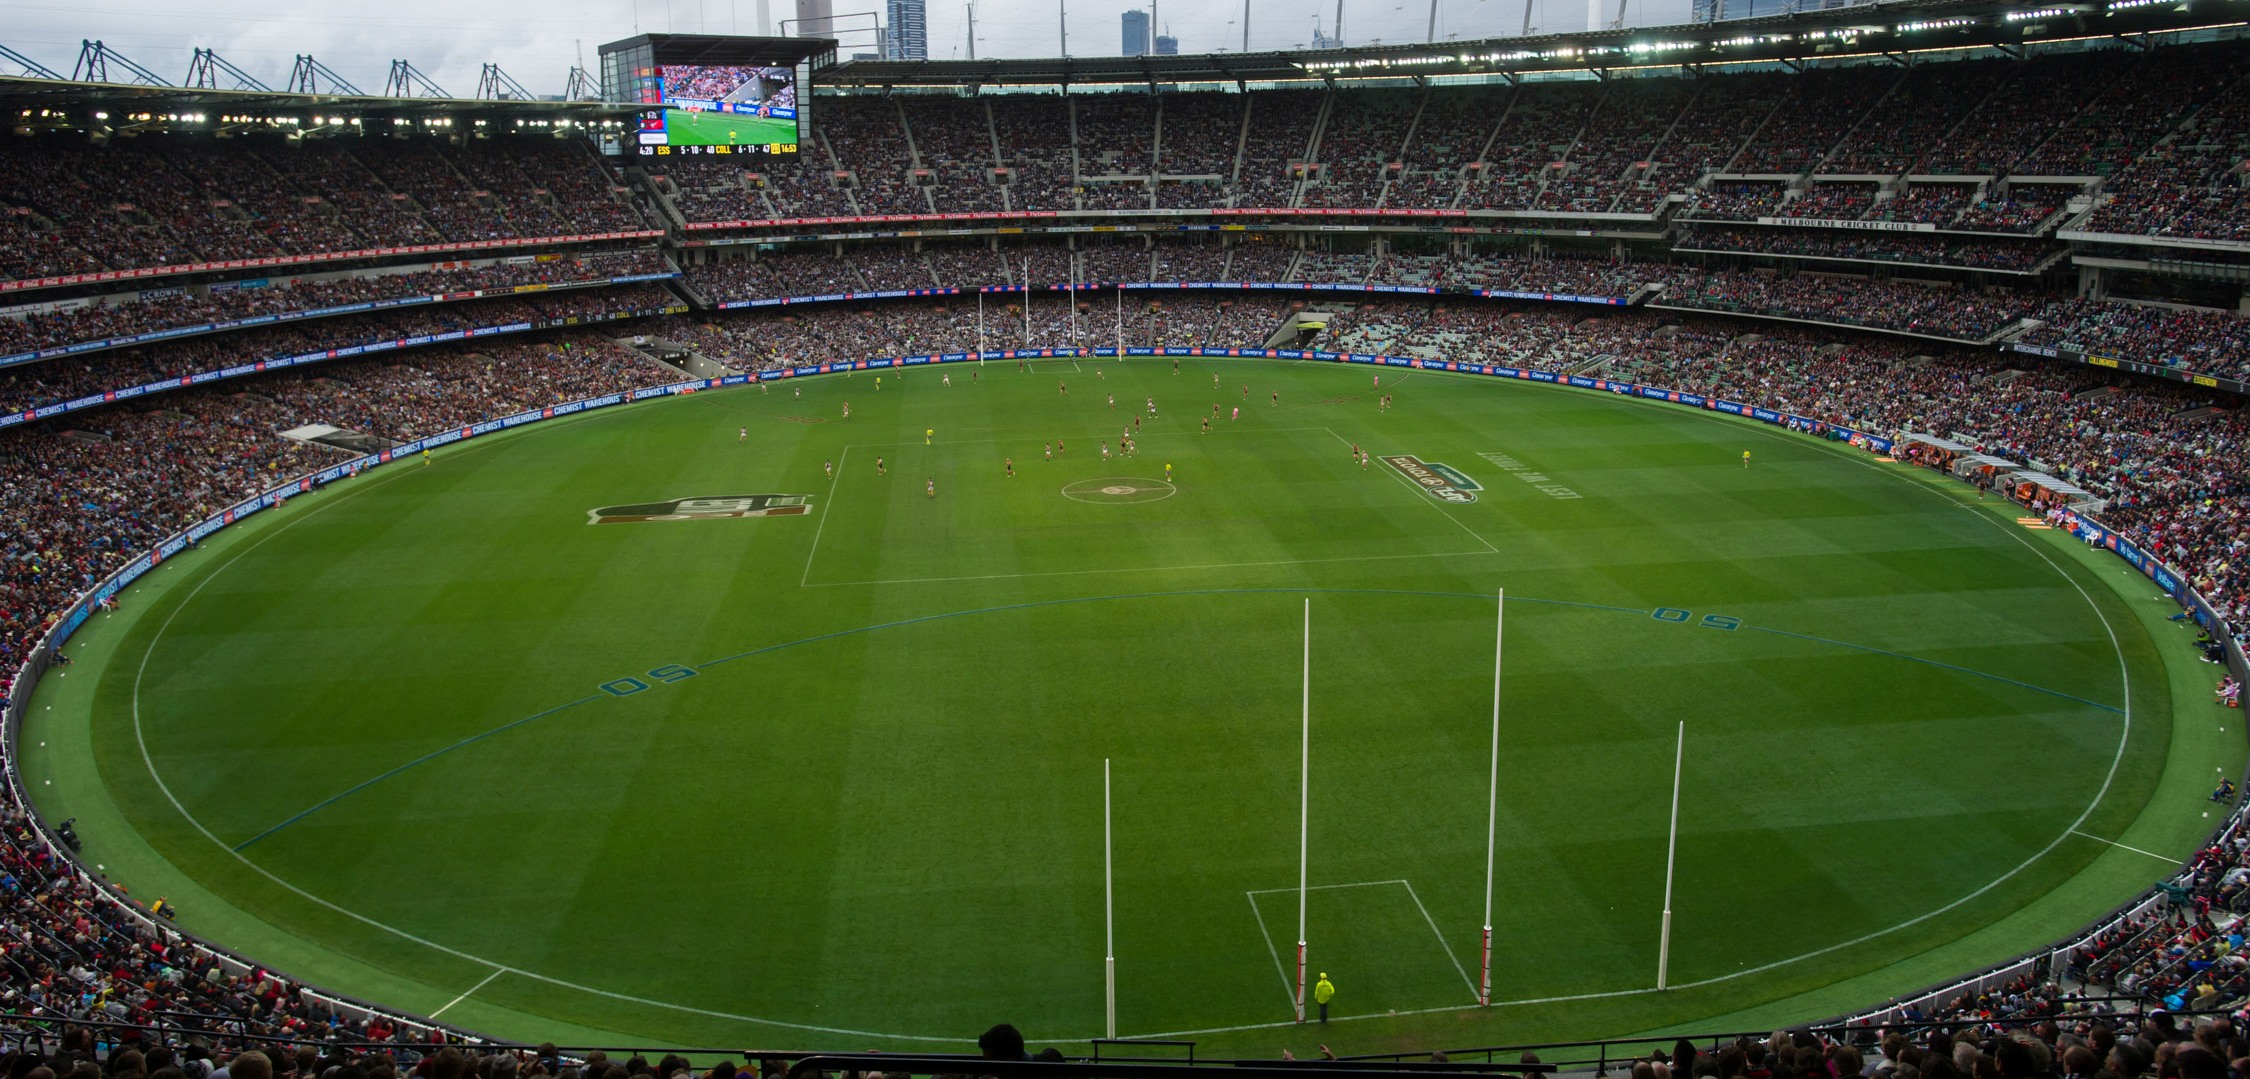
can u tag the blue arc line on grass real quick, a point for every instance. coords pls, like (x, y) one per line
(918, 619)
(1937, 663)
(423, 759)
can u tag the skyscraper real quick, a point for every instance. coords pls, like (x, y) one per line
(909, 36)
(1167, 45)
(1136, 34)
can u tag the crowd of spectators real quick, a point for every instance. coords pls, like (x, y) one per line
(2191, 186)
(1706, 137)
(2163, 127)
(164, 200)
(1623, 131)
(953, 142)
(1543, 121)
(32, 385)
(84, 493)
(1834, 200)
(1919, 110)
(793, 274)
(1209, 261)
(2209, 342)
(106, 317)
(1736, 201)
(1034, 137)
(1953, 312)
(1909, 248)
(1280, 134)
(1365, 135)
(1198, 135)
(2025, 208)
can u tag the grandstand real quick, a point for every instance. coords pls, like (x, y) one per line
(2010, 252)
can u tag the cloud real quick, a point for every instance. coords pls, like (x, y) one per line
(537, 41)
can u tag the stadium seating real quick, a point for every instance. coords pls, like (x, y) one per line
(2155, 139)
(2166, 472)
(75, 208)
(156, 311)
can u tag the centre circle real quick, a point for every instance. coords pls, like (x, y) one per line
(1120, 489)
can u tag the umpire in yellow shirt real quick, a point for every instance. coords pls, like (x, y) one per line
(1323, 991)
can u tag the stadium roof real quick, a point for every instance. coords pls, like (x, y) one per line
(1892, 28)
(18, 93)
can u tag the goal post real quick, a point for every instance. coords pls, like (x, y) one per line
(1492, 804)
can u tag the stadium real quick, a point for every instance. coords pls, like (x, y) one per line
(1716, 550)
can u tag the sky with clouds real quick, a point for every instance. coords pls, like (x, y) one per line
(537, 41)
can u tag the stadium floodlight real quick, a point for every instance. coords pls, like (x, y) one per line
(207, 65)
(406, 80)
(494, 84)
(31, 68)
(94, 59)
(579, 86)
(307, 74)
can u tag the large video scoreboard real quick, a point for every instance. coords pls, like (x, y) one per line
(709, 95)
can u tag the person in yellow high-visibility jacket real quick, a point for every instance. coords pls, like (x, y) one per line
(1323, 991)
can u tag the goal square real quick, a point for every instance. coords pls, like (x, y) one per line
(1374, 939)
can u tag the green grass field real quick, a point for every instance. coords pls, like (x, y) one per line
(687, 128)
(835, 779)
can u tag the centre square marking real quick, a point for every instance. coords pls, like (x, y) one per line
(1119, 490)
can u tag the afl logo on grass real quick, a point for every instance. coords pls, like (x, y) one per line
(1444, 482)
(707, 508)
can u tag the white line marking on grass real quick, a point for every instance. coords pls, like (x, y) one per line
(1410, 894)
(841, 459)
(2124, 735)
(1329, 887)
(496, 972)
(1422, 496)
(2165, 858)
(148, 762)
(1156, 569)
(1288, 991)
(198, 825)
(1434, 931)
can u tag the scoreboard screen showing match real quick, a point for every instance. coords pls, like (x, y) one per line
(721, 109)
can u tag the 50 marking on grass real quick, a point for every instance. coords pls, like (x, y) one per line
(629, 685)
(1677, 616)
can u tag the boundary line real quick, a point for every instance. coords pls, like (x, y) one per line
(2100, 795)
(2167, 860)
(496, 972)
(148, 762)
